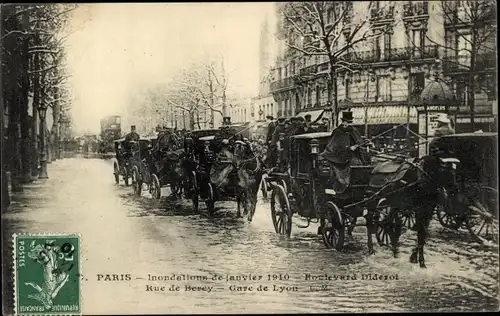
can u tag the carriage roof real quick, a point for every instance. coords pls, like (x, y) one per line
(316, 135)
(205, 138)
(121, 140)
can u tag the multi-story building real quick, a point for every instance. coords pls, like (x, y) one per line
(264, 104)
(392, 69)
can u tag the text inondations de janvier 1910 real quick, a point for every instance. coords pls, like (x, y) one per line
(211, 283)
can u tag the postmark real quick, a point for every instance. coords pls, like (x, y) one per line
(47, 274)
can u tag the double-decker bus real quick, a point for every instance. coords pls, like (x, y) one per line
(110, 130)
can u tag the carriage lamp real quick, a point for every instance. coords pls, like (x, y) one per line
(314, 147)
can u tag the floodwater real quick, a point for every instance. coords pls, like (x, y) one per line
(154, 240)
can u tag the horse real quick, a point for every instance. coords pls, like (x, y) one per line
(239, 175)
(415, 184)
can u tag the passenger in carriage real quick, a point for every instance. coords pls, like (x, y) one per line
(343, 150)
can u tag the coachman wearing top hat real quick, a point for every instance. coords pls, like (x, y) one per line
(132, 136)
(343, 150)
(224, 136)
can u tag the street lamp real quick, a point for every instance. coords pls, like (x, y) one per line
(42, 111)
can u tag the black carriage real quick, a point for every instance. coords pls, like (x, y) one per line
(202, 184)
(198, 160)
(121, 163)
(304, 189)
(477, 175)
(142, 169)
(165, 152)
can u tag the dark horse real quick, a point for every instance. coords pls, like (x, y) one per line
(239, 176)
(413, 184)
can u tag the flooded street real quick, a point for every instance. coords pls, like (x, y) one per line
(154, 240)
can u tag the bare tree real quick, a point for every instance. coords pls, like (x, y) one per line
(330, 30)
(470, 46)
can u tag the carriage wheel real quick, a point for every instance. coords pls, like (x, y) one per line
(194, 192)
(408, 219)
(445, 213)
(281, 211)
(155, 187)
(116, 173)
(332, 227)
(136, 181)
(283, 184)
(210, 201)
(385, 222)
(482, 222)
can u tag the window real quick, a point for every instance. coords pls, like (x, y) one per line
(387, 45)
(297, 100)
(347, 88)
(383, 85)
(318, 94)
(309, 96)
(417, 84)
(417, 42)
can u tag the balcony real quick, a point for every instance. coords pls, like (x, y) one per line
(283, 84)
(461, 64)
(413, 10)
(309, 70)
(381, 14)
(394, 54)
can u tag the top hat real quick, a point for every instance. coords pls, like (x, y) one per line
(307, 116)
(281, 120)
(443, 118)
(132, 126)
(347, 116)
(226, 120)
(270, 117)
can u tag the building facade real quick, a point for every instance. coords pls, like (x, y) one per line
(391, 69)
(264, 104)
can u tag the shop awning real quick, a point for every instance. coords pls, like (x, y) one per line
(314, 114)
(383, 115)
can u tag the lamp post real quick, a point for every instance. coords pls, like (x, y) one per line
(42, 111)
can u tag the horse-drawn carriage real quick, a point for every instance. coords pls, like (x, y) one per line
(142, 168)
(377, 191)
(304, 189)
(121, 163)
(475, 203)
(228, 164)
(167, 162)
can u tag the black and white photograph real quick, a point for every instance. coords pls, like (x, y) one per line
(249, 157)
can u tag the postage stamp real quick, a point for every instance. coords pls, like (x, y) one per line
(47, 274)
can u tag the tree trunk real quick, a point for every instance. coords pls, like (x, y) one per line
(23, 104)
(472, 85)
(13, 79)
(224, 105)
(36, 105)
(333, 94)
(5, 185)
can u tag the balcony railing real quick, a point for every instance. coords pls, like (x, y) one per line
(287, 83)
(416, 9)
(309, 70)
(483, 62)
(380, 14)
(394, 54)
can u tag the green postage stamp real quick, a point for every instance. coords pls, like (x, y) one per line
(47, 274)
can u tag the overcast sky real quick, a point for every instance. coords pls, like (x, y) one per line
(117, 48)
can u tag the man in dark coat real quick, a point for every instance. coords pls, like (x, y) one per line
(272, 151)
(222, 145)
(132, 136)
(270, 128)
(343, 150)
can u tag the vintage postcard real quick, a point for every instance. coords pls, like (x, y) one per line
(272, 157)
